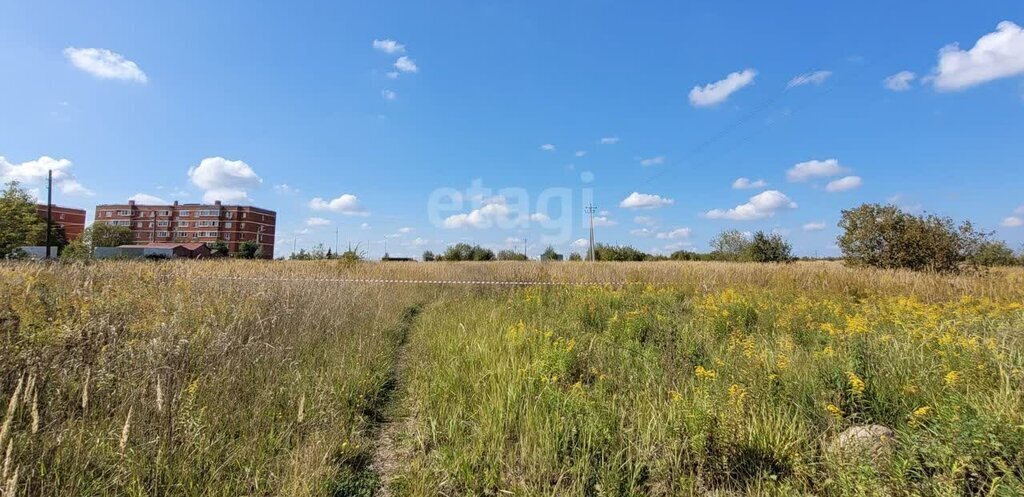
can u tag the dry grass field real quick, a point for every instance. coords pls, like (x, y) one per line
(282, 378)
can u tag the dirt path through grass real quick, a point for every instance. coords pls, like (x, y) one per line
(388, 415)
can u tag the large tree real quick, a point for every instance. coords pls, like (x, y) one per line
(729, 245)
(886, 237)
(101, 234)
(19, 223)
(764, 247)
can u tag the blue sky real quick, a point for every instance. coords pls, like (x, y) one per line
(651, 109)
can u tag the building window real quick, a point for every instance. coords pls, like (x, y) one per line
(181, 234)
(229, 214)
(227, 236)
(137, 225)
(161, 234)
(183, 224)
(208, 213)
(184, 213)
(165, 213)
(162, 224)
(124, 213)
(227, 224)
(243, 226)
(108, 213)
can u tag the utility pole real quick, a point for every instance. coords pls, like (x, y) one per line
(295, 241)
(526, 251)
(590, 210)
(49, 209)
(336, 246)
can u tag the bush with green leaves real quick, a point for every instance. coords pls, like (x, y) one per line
(996, 253)
(512, 255)
(467, 252)
(618, 253)
(101, 234)
(550, 254)
(19, 223)
(248, 250)
(764, 247)
(886, 237)
(76, 251)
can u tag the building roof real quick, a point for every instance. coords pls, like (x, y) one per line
(55, 206)
(183, 205)
(167, 245)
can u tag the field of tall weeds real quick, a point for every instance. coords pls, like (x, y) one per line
(271, 378)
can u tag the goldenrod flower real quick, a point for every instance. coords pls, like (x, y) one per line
(704, 374)
(856, 384)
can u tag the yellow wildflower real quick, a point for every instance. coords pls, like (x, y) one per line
(952, 378)
(833, 410)
(856, 384)
(704, 374)
(737, 394)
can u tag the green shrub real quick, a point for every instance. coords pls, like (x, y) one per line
(886, 237)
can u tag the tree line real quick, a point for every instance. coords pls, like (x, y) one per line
(873, 235)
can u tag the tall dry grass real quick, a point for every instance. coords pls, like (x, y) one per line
(131, 378)
(155, 379)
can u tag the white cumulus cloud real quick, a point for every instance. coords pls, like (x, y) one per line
(814, 226)
(388, 46)
(33, 174)
(674, 234)
(388, 94)
(317, 221)
(1012, 222)
(405, 64)
(105, 64)
(760, 206)
(147, 199)
(580, 243)
(637, 200)
(815, 169)
(843, 184)
(899, 81)
(719, 91)
(653, 161)
(816, 77)
(580, 153)
(484, 217)
(346, 204)
(609, 140)
(223, 179)
(547, 147)
(747, 184)
(999, 54)
(600, 221)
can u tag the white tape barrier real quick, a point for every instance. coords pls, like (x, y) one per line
(430, 282)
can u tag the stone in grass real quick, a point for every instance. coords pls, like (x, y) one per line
(864, 441)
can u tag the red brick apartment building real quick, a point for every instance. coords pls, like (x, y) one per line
(192, 223)
(72, 220)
